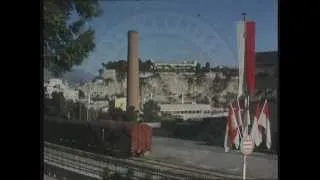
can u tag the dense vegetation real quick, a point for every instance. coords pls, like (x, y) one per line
(59, 107)
(67, 40)
(151, 110)
(148, 66)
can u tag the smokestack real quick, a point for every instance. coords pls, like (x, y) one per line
(133, 94)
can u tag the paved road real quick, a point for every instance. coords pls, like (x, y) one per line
(45, 177)
(192, 153)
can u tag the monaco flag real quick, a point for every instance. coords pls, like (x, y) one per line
(255, 132)
(232, 135)
(246, 56)
(264, 121)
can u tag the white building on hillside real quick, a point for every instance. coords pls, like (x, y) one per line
(109, 74)
(57, 85)
(191, 111)
(184, 66)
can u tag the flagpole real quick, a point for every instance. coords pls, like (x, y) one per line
(237, 123)
(246, 105)
(244, 167)
(240, 118)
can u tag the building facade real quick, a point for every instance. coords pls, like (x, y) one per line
(191, 111)
(185, 66)
(109, 74)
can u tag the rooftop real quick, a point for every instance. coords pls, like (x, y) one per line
(268, 57)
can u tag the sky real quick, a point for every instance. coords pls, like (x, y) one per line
(178, 30)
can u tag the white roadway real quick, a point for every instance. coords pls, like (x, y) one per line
(259, 165)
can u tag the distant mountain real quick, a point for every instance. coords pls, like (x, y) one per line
(77, 76)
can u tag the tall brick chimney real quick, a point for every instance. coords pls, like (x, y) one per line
(133, 93)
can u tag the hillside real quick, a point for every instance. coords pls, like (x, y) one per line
(216, 88)
(77, 76)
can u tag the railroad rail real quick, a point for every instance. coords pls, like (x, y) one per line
(140, 166)
(95, 170)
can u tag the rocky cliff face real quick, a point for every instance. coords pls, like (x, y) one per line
(216, 88)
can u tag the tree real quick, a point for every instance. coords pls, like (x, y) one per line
(131, 114)
(198, 67)
(68, 107)
(58, 103)
(207, 67)
(149, 65)
(81, 94)
(100, 72)
(146, 66)
(115, 113)
(67, 43)
(151, 110)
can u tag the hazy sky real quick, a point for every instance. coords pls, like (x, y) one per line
(176, 30)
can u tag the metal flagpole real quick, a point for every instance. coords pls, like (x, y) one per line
(244, 167)
(245, 108)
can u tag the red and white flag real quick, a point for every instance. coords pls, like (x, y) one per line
(255, 132)
(264, 121)
(238, 113)
(232, 135)
(246, 31)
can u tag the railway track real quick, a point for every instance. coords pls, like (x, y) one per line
(142, 168)
(95, 170)
(203, 171)
(150, 165)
